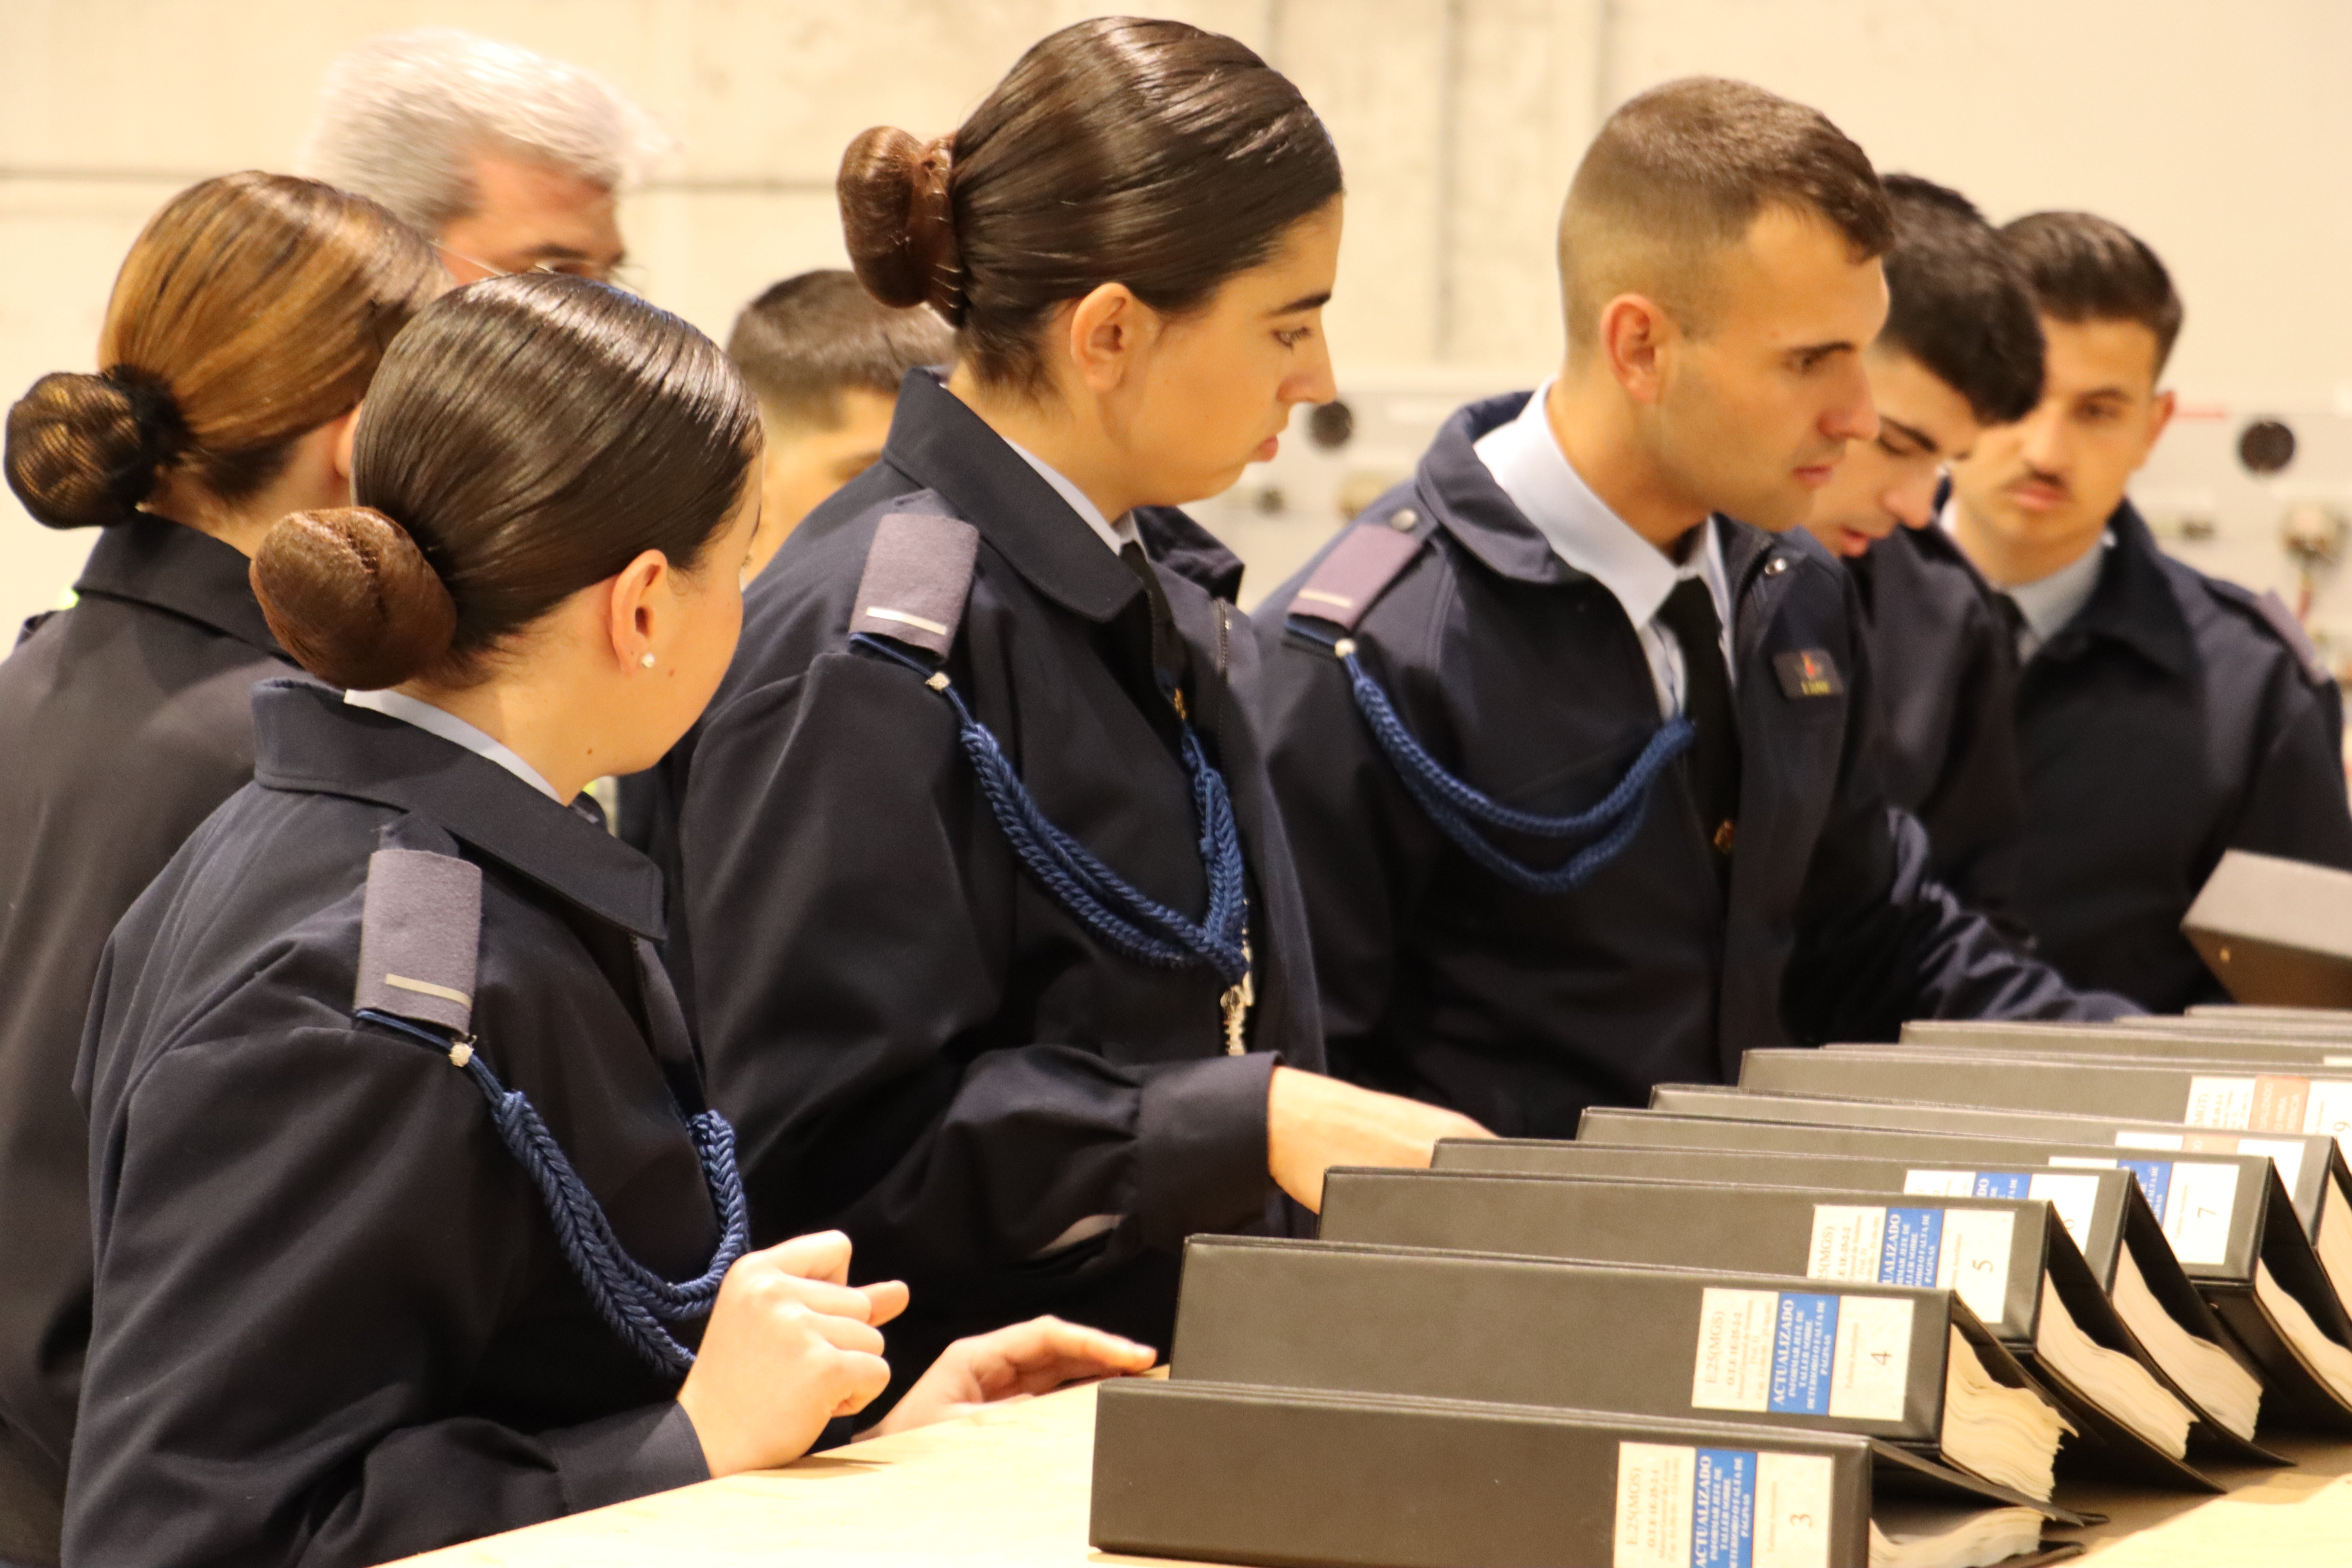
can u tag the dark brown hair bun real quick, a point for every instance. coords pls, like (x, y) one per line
(83, 451)
(351, 597)
(899, 222)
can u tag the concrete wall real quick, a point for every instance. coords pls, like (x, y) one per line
(2215, 131)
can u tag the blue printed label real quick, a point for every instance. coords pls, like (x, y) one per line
(2003, 1184)
(1804, 1353)
(1915, 1239)
(2154, 1178)
(1722, 1509)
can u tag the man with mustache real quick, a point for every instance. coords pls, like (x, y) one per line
(1524, 899)
(2162, 716)
(1961, 351)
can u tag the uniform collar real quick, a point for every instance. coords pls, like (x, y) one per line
(152, 560)
(457, 732)
(939, 443)
(1465, 499)
(1525, 456)
(307, 740)
(2132, 604)
(1470, 504)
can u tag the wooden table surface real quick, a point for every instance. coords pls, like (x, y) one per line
(1009, 1486)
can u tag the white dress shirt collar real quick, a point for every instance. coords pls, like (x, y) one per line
(1525, 460)
(1114, 534)
(455, 731)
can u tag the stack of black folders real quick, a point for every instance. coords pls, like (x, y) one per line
(1352, 1403)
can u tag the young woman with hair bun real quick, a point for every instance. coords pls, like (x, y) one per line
(243, 329)
(412, 1221)
(991, 925)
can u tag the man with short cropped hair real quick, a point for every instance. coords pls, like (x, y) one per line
(1961, 350)
(2162, 716)
(1525, 898)
(507, 160)
(824, 359)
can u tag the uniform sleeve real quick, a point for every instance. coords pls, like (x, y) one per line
(302, 1257)
(850, 899)
(2296, 804)
(1879, 942)
(1364, 850)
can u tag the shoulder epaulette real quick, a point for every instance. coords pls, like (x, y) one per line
(917, 576)
(2282, 621)
(420, 937)
(1371, 555)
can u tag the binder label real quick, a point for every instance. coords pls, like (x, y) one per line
(2273, 1103)
(1965, 1250)
(1799, 1352)
(2287, 1156)
(1720, 1508)
(2073, 1199)
(2193, 1200)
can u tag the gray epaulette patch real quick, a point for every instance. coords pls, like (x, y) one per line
(2282, 620)
(917, 574)
(420, 935)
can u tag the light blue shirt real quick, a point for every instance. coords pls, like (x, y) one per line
(1114, 534)
(2047, 604)
(455, 731)
(1526, 461)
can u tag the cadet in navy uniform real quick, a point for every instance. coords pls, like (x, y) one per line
(999, 957)
(1582, 781)
(1961, 350)
(243, 328)
(410, 1215)
(2162, 716)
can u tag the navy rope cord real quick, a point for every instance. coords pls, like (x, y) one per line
(1459, 809)
(1127, 921)
(641, 1306)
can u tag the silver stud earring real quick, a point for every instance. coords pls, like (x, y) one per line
(647, 661)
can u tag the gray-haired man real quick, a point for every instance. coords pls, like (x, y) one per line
(508, 160)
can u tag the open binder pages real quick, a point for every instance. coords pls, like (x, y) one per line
(1908, 1533)
(2113, 1381)
(2212, 1375)
(2007, 1436)
(2330, 1360)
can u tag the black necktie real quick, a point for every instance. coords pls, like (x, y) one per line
(1169, 658)
(2019, 631)
(1713, 761)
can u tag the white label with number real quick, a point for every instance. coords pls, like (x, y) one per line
(1873, 1358)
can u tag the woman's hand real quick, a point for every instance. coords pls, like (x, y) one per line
(1035, 1357)
(1313, 1124)
(789, 1345)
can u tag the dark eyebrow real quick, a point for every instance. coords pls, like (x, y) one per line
(1304, 302)
(1822, 351)
(1925, 442)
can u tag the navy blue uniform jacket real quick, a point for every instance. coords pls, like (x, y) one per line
(1944, 665)
(2171, 720)
(1525, 677)
(123, 721)
(916, 1043)
(333, 1323)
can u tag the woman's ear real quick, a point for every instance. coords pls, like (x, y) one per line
(347, 435)
(639, 611)
(1108, 330)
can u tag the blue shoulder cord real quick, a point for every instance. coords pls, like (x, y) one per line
(1458, 808)
(639, 1304)
(1127, 920)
